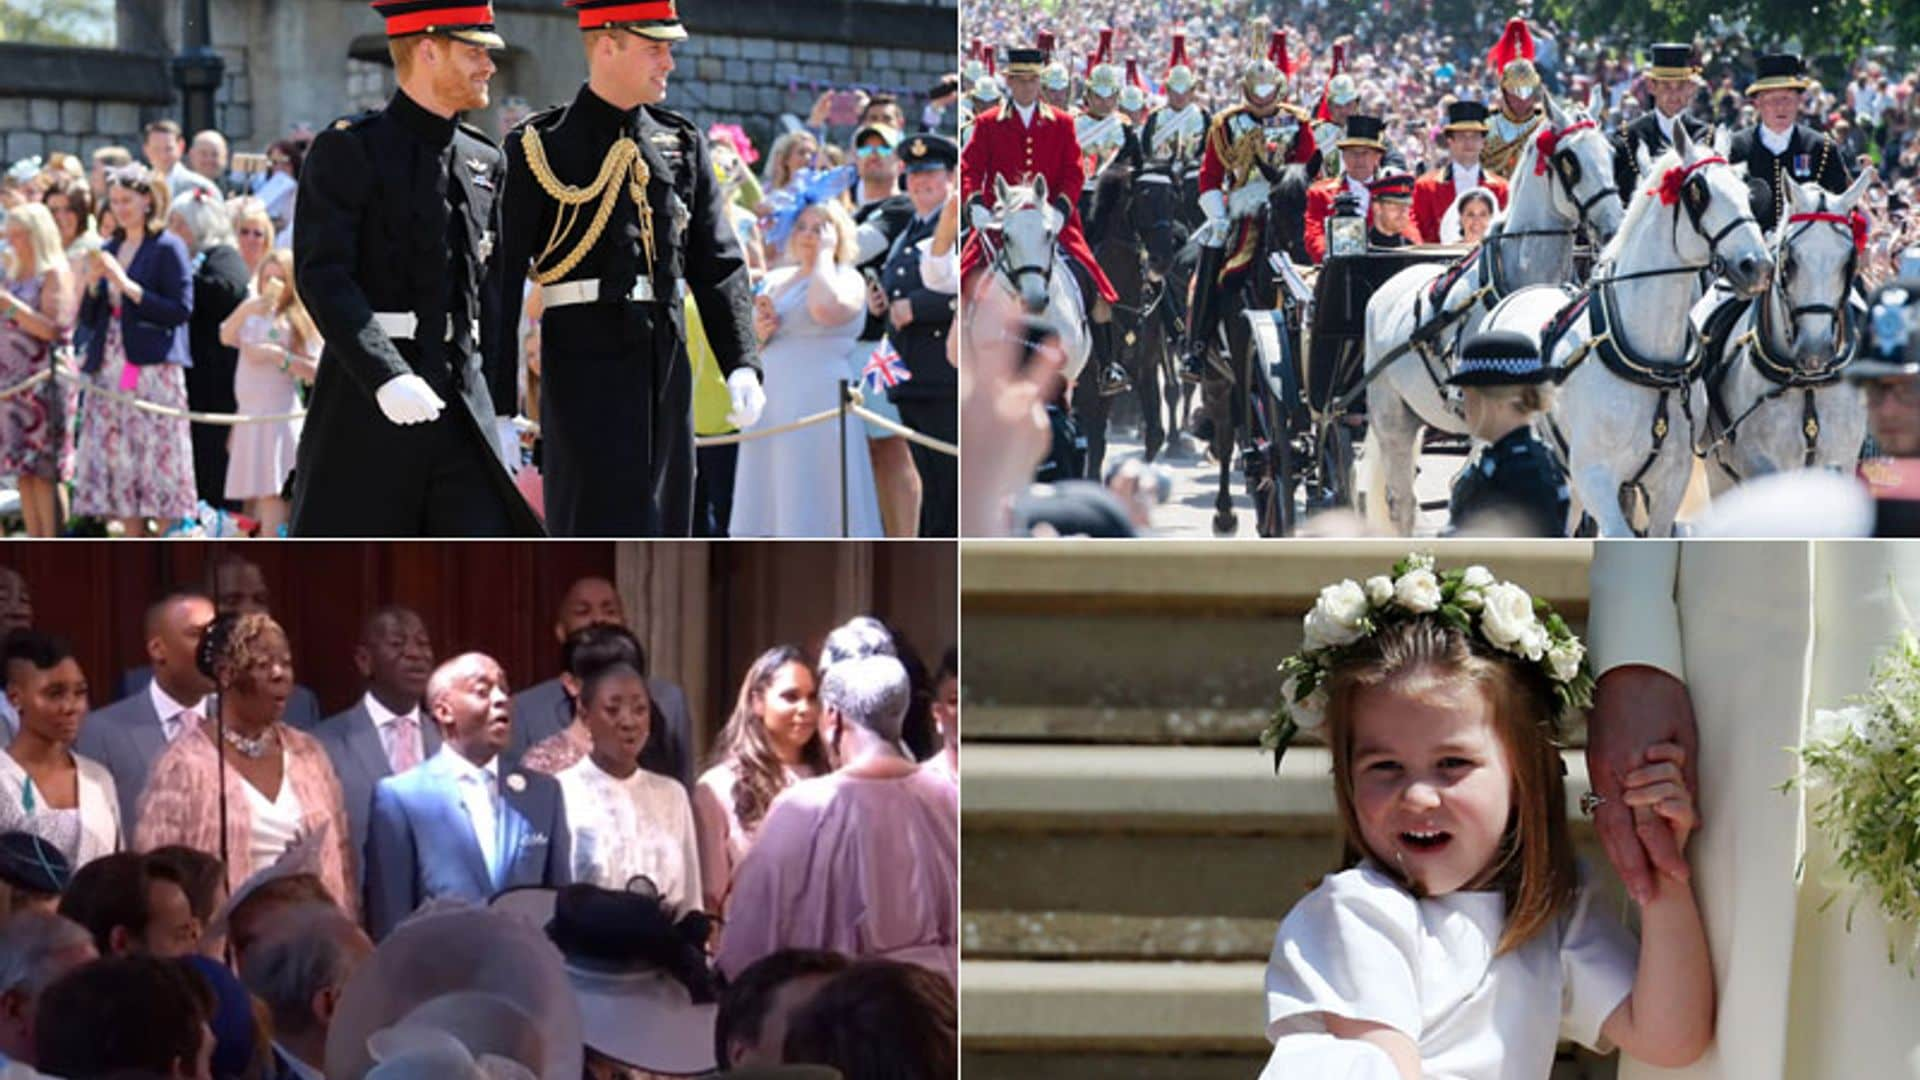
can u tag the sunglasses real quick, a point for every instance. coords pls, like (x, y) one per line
(874, 151)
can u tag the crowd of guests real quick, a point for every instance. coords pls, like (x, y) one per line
(169, 279)
(206, 879)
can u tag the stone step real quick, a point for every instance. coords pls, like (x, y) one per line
(1121, 725)
(1150, 1021)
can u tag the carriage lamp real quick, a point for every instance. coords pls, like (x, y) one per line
(1346, 229)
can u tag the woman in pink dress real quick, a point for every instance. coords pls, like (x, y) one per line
(771, 741)
(280, 785)
(279, 349)
(38, 304)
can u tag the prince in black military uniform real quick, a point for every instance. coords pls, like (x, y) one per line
(920, 320)
(1511, 486)
(391, 242)
(1778, 144)
(1672, 80)
(612, 208)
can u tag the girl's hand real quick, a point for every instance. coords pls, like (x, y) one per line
(1660, 785)
(765, 321)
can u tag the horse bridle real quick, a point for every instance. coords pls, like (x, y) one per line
(1003, 264)
(1694, 198)
(1783, 260)
(1567, 168)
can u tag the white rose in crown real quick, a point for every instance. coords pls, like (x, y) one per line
(1338, 617)
(1418, 591)
(1473, 581)
(1506, 616)
(1310, 713)
(1564, 657)
(1535, 641)
(1379, 590)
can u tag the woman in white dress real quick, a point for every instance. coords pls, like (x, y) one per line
(45, 788)
(625, 822)
(279, 349)
(808, 317)
(1466, 943)
(1747, 640)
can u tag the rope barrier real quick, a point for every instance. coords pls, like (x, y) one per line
(216, 419)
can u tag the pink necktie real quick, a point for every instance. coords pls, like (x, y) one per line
(406, 744)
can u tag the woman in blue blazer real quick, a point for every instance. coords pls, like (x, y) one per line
(133, 465)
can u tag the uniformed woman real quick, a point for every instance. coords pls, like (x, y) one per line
(1511, 485)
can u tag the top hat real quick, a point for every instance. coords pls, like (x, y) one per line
(1025, 61)
(1778, 71)
(1466, 116)
(1364, 133)
(1672, 61)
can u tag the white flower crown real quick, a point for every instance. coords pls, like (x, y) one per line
(1499, 613)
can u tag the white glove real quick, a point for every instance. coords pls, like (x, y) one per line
(407, 399)
(1214, 205)
(1250, 199)
(507, 442)
(748, 399)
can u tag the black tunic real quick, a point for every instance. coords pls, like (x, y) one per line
(1645, 132)
(392, 218)
(1809, 156)
(929, 401)
(617, 389)
(1514, 484)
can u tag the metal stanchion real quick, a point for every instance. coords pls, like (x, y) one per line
(846, 398)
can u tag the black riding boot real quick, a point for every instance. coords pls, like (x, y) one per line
(1113, 374)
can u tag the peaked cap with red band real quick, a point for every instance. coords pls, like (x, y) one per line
(656, 19)
(469, 21)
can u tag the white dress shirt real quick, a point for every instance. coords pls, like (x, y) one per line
(385, 721)
(1776, 144)
(1025, 113)
(1465, 177)
(480, 794)
(170, 710)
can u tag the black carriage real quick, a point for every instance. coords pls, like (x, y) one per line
(1310, 409)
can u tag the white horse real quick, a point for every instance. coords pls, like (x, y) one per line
(1776, 397)
(1023, 235)
(1628, 405)
(1563, 182)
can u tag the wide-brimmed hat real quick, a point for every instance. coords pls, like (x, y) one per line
(1672, 60)
(470, 21)
(1364, 133)
(457, 968)
(618, 950)
(1778, 71)
(32, 864)
(1501, 358)
(656, 19)
(1466, 116)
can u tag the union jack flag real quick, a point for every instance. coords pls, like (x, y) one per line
(884, 368)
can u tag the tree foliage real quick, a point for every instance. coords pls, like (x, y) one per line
(57, 22)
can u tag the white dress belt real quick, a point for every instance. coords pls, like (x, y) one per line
(587, 291)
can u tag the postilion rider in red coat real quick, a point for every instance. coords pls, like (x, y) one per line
(1433, 193)
(1018, 140)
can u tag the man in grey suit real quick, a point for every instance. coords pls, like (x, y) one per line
(544, 708)
(463, 824)
(238, 587)
(385, 733)
(129, 735)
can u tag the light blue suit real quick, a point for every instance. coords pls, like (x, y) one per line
(421, 844)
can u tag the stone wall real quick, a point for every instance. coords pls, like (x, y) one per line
(305, 62)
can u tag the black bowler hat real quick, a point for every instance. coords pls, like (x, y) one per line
(470, 21)
(1778, 71)
(1501, 358)
(1364, 132)
(1672, 61)
(33, 865)
(656, 19)
(928, 151)
(1466, 116)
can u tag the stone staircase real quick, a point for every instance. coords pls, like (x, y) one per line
(1127, 850)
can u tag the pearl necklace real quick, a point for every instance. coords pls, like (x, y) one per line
(254, 747)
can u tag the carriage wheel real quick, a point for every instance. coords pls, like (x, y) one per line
(1333, 466)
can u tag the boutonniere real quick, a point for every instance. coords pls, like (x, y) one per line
(516, 783)
(536, 839)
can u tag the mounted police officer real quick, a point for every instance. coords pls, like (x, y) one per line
(1778, 144)
(1672, 80)
(612, 208)
(391, 243)
(920, 320)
